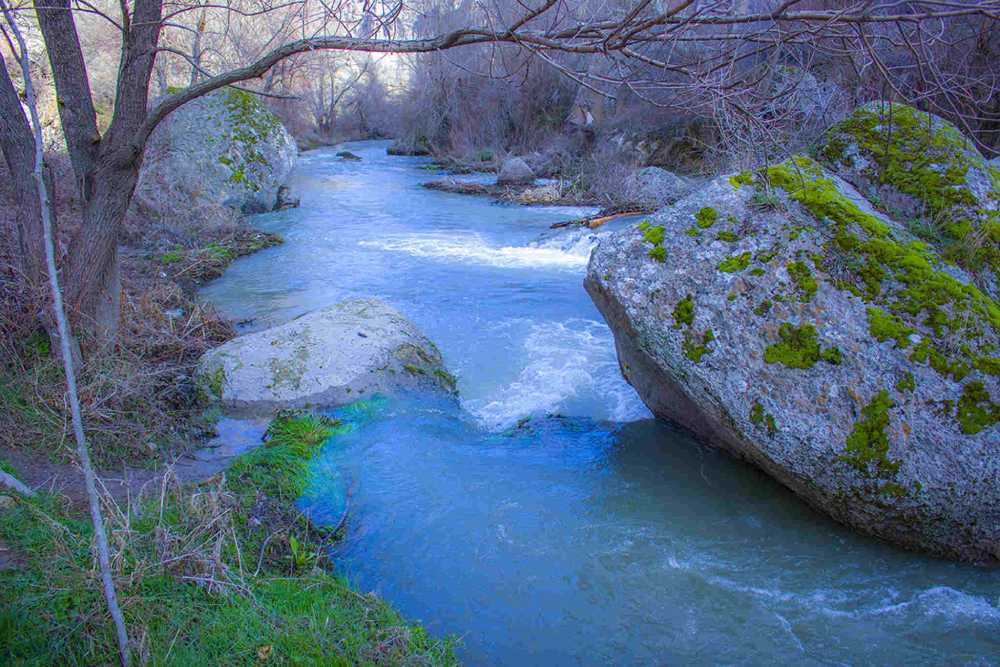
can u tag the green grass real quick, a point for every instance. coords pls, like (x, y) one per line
(183, 604)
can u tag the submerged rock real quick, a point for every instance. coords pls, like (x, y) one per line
(348, 155)
(921, 169)
(328, 357)
(213, 159)
(653, 187)
(515, 171)
(804, 331)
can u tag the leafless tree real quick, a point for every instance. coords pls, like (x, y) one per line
(682, 53)
(18, 46)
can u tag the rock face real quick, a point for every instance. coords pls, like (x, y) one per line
(806, 332)
(919, 168)
(515, 171)
(213, 159)
(653, 187)
(328, 357)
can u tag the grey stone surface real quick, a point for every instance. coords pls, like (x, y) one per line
(515, 171)
(653, 187)
(920, 479)
(328, 357)
(213, 159)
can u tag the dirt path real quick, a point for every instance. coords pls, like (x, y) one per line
(37, 472)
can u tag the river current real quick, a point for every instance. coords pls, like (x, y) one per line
(545, 518)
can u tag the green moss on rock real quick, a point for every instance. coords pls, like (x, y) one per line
(976, 409)
(803, 279)
(684, 312)
(706, 217)
(867, 447)
(798, 347)
(735, 263)
(695, 350)
(884, 326)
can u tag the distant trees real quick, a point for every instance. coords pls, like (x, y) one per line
(682, 54)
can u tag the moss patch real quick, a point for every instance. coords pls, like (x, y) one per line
(803, 279)
(976, 410)
(735, 263)
(706, 217)
(684, 312)
(694, 349)
(867, 447)
(906, 384)
(798, 347)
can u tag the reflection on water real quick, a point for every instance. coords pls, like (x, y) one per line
(545, 519)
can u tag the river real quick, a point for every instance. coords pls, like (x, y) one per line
(545, 518)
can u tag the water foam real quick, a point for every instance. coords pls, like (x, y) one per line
(570, 253)
(563, 361)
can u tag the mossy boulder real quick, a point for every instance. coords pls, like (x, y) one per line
(213, 159)
(328, 357)
(923, 172)
(824, 343)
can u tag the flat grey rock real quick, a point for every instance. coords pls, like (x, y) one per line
(328, 357)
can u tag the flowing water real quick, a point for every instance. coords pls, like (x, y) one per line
(545, 518)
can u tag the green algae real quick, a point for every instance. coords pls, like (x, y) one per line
(727, 236)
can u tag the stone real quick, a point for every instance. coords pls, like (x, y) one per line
(213, 159)
(515, 171)
(348, 155)
(920, 169)
(653, 187)
(328, 357)
(284, 199)
(801, 329)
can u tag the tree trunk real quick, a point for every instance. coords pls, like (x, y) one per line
(17, 145)
(92, 275)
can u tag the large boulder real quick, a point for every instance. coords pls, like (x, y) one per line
(919, 168)
(515, 171)
(653, 187)
(328, 357)
(213, 159)
(800, 329)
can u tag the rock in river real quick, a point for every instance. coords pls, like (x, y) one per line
(800, 328)
(328, 357)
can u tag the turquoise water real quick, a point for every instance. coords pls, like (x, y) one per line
(545, 518)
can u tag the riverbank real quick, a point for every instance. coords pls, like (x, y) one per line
(226, 571)
(210, 566)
